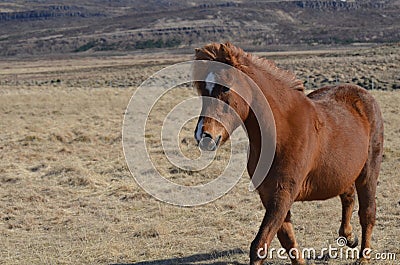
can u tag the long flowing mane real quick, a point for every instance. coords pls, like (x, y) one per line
(235, 56)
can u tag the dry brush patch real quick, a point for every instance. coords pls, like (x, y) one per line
(67, 197)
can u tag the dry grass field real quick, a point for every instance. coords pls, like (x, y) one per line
(67, 197)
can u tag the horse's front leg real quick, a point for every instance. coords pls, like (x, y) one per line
(346, 229)
(288, 241)
(277, 207)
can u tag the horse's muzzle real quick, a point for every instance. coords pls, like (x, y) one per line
(207, 143)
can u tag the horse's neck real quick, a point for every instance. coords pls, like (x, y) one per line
(282, 102)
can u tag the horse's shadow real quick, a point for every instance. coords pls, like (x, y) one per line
(212, 258)
(217, 258)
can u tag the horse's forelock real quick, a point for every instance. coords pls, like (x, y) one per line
(225, 53)
(208, 52)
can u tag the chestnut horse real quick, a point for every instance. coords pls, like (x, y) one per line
(328, 143)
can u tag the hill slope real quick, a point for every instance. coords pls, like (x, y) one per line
(47, 27)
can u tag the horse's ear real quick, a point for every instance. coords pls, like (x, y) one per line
(224, 48)
(197, 52)
(228, 44)
(226, 54)
(206, 53)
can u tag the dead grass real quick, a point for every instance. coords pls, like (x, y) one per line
(66, 196)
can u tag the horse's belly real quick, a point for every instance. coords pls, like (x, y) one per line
(314, 193)
(322, 185)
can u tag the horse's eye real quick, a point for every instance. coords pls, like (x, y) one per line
(225, 89)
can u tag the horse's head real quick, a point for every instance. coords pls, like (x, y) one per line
(223, 109)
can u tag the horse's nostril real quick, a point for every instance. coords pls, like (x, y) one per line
(207, 143)
(206, 135)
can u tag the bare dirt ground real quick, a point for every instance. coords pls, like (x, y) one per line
(67, 197)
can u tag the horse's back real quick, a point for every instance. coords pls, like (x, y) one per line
(354, 98)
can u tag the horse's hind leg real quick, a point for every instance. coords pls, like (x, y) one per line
(366, 190)
(288, 241)
(346, 229)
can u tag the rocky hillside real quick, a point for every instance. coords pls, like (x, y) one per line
(47, 27)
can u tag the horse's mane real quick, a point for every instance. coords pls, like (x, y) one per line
(235, 56)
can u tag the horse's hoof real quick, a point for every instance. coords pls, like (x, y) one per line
(352, 241)
(363, 261)
(299, 262)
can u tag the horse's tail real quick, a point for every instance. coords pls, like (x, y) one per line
(372, 166)
(367, 181)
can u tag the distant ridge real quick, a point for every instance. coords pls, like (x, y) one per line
(43, 27)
